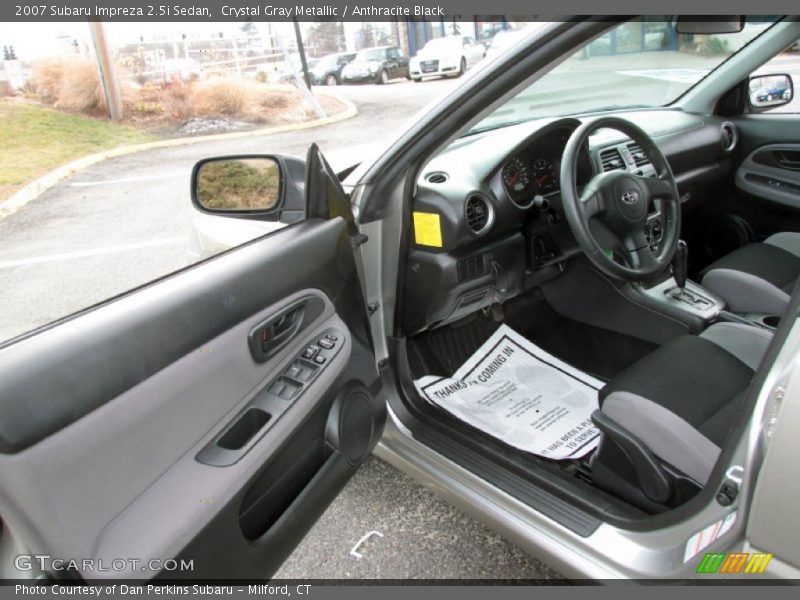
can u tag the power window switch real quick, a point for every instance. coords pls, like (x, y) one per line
(295, 371)
(278, 388)
(310, 352)
(325, 343)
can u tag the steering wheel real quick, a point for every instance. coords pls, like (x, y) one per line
(619, 201)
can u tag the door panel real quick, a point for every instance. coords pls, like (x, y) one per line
(106, 416)
(769, 151)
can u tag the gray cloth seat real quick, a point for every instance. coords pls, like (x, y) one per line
(681, 400)
(757, 278)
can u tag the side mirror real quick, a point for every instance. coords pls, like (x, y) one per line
(768, 91)
(259, 187)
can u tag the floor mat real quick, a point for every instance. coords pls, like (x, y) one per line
(442, 351)
(516, 392)
(599, 352)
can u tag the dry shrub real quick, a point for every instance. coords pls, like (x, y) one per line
(245, 99)
(220, 96)
(80, 89)
(46, 78)
(69, 84)
(177, 99)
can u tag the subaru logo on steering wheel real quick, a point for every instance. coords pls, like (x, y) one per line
(630, 197)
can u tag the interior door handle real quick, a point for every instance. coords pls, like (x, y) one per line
(267, 338)
(787, 160)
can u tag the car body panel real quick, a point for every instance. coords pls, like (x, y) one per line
(443, 57)
(388, 59)
(330, 65)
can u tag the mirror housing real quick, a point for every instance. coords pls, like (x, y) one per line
(768, 91)
(704, 25)
(259, 187)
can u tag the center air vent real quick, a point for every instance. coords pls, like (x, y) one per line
(478, 213)
(639, 157)
(611, 160)
(730, 136)
(436, 177)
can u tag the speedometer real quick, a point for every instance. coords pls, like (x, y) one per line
(517, 177)
(544, 174)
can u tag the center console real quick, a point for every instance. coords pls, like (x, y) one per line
(680, 298)
(693, 304)
(692, 299)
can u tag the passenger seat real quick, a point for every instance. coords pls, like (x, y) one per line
(757, 278)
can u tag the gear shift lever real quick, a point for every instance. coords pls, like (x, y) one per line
(680, 264)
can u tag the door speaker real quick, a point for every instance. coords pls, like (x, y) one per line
(351, 424)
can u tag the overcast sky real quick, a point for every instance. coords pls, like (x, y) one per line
(32, 41)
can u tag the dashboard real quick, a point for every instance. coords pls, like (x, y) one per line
(487, 217)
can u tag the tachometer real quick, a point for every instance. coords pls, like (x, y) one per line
(517, 177)
(544, 174)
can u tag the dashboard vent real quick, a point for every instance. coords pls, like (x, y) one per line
(436, 177)
(478, 214)
(730, 136)
(639, 157)
(471, 268)
(611, 160)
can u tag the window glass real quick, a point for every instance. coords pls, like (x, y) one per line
(125, 216)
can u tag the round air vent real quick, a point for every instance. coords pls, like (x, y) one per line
(436, 177)
(479, 214)
(730, 136)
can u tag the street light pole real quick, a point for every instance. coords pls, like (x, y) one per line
(302, 51)
(108, 75)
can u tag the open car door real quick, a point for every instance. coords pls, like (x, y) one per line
(195, 427)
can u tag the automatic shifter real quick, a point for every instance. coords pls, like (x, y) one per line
(680, 264)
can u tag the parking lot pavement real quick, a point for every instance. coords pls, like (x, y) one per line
(423, 537)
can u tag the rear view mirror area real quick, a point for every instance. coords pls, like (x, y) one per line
(706, 25)
(237, 185)
(769, 91)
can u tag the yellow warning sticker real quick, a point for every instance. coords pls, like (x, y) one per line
(427, 229)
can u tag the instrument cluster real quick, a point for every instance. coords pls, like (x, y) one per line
(524, 178)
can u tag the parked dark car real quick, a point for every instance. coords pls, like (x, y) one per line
(376, 65)
(779, 91)
(328, 70)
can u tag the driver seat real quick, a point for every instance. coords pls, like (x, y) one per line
(665, 418)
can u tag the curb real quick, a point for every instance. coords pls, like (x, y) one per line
(38, 186)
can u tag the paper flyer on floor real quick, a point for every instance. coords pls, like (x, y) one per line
(515, 391)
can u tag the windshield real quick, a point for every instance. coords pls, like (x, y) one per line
(370, 55)
(643, 63)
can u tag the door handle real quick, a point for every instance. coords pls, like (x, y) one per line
(267, 338)
(786, 162)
